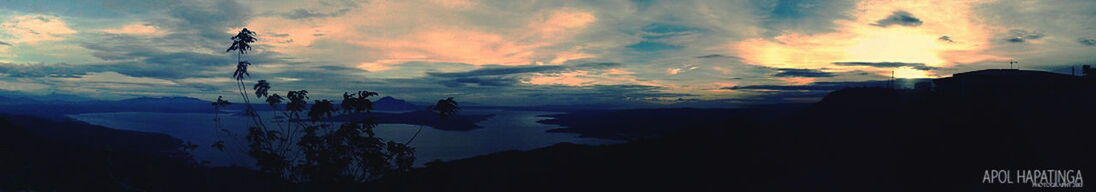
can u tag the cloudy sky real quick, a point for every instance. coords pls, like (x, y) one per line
(516, 52)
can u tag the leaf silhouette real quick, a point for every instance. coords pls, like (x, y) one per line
(220, 102)
(274, 100)
(357, 103)
(297, 100)
(242, 41)
(241, 70)
(261, 88)
(321, 108)
(446, 107)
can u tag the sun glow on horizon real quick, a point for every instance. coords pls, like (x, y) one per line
(910, 73)
(897, 45)
(949, 35)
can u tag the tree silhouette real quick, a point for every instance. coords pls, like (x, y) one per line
(261, 88)
(446, 107)
(357, 103)
(242, 41)
(217, 105)
(311, 148)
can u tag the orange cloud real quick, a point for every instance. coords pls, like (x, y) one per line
(32, 29)
(586, 78)
(456, 4)
(135, 29)
(553, 23)
(673, 71)
(798, 80)
(394, 32)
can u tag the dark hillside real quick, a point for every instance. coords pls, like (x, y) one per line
(855, 139)
(44, 155)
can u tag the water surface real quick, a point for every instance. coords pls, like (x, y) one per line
(507, 130)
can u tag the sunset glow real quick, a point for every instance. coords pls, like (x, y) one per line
(672, 49)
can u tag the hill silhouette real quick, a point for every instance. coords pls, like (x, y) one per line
(15, 100)
(635, 124)
(393, 104)
(938, 137)
(48, 98)
(47, 155)
(56, 110)
(931, 139)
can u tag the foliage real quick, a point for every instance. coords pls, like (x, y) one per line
(261, 88)
(242, 41)
(315, 150)
(274, 100)
(358, 103)
(221, 102)
(446, 107)
(241, 70)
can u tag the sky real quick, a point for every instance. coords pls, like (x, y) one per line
(524, 53)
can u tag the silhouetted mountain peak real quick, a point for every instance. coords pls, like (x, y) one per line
(12, 100)
(163, 99)
(63, 97)
(15, 97)
(389, 99)
(391, 103)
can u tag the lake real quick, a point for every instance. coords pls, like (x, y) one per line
(506, 130)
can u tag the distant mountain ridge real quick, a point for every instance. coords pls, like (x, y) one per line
(13, 97)
(391, 103)
(57, 109)
(15, 100)
(176, 99)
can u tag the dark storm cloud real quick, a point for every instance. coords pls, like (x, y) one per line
(902, 18)
(136, 69)
(506, 75)
(816, 86)
(500, 71)
(337, 68)
(918, 66)
(788, 72)
(709, 56)
(810, 92)
(42, 70)
(813, 91)
(220, 14)
(1087, 41)
(140, 57)
(656, 31)
(603, 93)
(195, 30)
(597, 65)
(481, 81)
(780, 16)
(308, 14)
(714, 56)
(511, 70)
(945, 38)
(1020, 36)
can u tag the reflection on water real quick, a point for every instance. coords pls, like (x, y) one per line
(507, 130)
